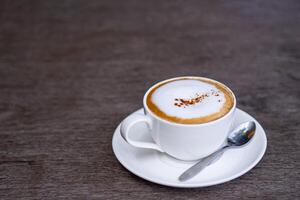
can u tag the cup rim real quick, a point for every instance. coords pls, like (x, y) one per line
(188, 125)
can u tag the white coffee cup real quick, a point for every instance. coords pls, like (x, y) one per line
(181, 141)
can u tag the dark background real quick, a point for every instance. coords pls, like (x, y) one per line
(70, 71)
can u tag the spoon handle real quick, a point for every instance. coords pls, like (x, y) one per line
(200, 165)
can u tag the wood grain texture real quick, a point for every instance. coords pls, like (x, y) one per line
(70, 71)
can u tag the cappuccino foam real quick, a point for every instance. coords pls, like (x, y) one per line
(190, 100)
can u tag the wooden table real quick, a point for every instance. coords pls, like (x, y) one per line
(70, 71)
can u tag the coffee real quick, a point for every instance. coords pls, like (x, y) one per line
(190, 100)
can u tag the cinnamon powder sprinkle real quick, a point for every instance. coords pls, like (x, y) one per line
(198, 99)
(186, 102)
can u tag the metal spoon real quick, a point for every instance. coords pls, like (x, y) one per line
(238, 137)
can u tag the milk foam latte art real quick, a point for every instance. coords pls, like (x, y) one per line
(191, 100)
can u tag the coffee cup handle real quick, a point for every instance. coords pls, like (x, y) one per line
(132, 120)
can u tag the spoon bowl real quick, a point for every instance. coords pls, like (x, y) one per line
(241, 134)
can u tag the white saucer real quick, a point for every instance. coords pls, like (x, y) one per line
(163, 169)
